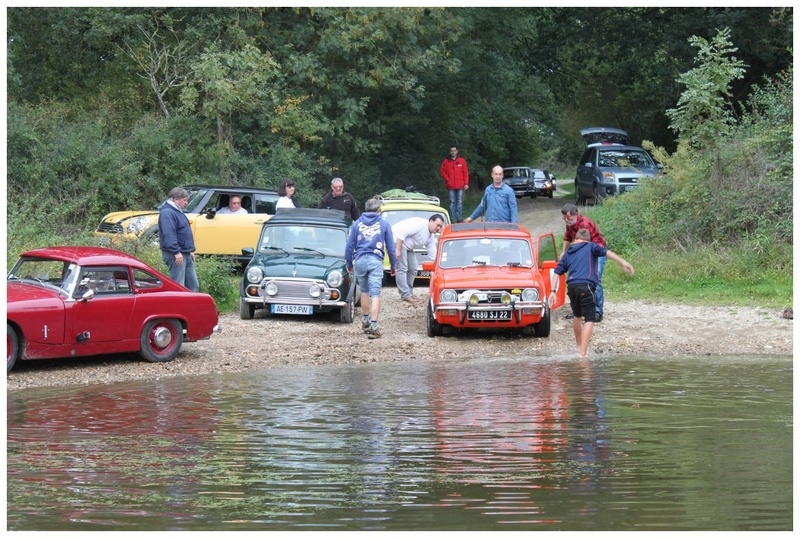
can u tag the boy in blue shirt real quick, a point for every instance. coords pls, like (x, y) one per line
(369, 241)
(580, 262)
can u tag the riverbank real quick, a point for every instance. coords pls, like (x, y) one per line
(628, 328)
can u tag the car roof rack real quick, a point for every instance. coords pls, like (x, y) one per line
(400, 195)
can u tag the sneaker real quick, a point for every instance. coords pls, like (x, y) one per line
(372, 334)
(411, 300)
(365, 324)
(598, 319)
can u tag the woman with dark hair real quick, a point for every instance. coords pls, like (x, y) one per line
(286, 191)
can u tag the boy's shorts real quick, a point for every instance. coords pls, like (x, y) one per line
(369, 273)
(582, 301)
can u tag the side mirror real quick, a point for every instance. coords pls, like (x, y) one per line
(248, 251)
(210, 213)
(588, 165)
(88, 294)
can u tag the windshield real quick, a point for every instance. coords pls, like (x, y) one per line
(616, 158)
(48, 273)
(393, 216)
(486, 251)
(294, 239)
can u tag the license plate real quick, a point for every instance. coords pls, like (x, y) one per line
(426, 274)
(481, 315)
(299, 309)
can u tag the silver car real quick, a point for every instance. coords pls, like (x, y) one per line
(609, 166)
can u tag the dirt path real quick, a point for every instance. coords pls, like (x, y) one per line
(629, 327)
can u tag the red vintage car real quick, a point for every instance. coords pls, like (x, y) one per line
(77, 301)
(492, 275)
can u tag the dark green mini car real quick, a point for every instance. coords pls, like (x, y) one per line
(298, 267)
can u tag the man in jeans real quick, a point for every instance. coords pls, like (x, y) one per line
(370, 239)
(415, 232)
(175, 239)
(456, 179)
(575, 222)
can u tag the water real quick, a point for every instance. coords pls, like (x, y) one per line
(623, 443)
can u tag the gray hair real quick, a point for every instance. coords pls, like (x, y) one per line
(336, 180)
(178, 193)
(372, 205)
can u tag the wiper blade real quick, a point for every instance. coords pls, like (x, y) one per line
(305, 249)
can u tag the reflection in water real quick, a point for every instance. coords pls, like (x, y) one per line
(601, 444)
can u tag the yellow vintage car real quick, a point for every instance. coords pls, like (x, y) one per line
(398, 205)
(214, 234)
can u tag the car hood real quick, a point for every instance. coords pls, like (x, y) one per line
(601, 135)
(121, 216)
(311, 266)
(34, 297)
(476, 277)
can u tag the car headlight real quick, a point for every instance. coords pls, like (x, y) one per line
(448, 296)
(254, 275)
(137, 225)
(530, 295)
(315, 290)
(271, 289)
(334, 279)
(505, 299)
(474, 299)
(609, 177)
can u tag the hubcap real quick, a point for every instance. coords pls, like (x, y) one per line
(162, 337)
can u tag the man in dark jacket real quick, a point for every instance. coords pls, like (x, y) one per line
(175, 239)
(456, 179)
(580, 261)
(339, 199)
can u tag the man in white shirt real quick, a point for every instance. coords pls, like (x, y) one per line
(234, 206)
(415, 232)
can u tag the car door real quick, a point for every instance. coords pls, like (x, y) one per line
(585, 174)
(226, 234)
(547, 260)
(106, 315)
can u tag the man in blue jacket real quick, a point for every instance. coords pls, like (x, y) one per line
(498, 203)
(176, 240)
(580, 261)
(370, 239)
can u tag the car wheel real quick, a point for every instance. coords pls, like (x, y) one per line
(161, 340)
(542, 329)
(246, 310)
(598, 197)
(433, 326)
(12, 347)
(580, 199)
(150, 236)
(347, 312)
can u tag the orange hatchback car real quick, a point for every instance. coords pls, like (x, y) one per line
(492, 275)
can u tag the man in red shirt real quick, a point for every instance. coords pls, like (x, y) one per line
(456, 179)
(575, 222)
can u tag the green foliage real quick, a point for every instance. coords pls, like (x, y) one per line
(704, 111)
(716, 275)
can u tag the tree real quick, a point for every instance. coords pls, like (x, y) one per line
(705, 112)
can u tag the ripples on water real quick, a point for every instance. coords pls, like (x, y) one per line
(623, 443)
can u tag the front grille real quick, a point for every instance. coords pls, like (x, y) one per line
(623, 179)
(493, 296)
(110, 228)
(297, 289)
